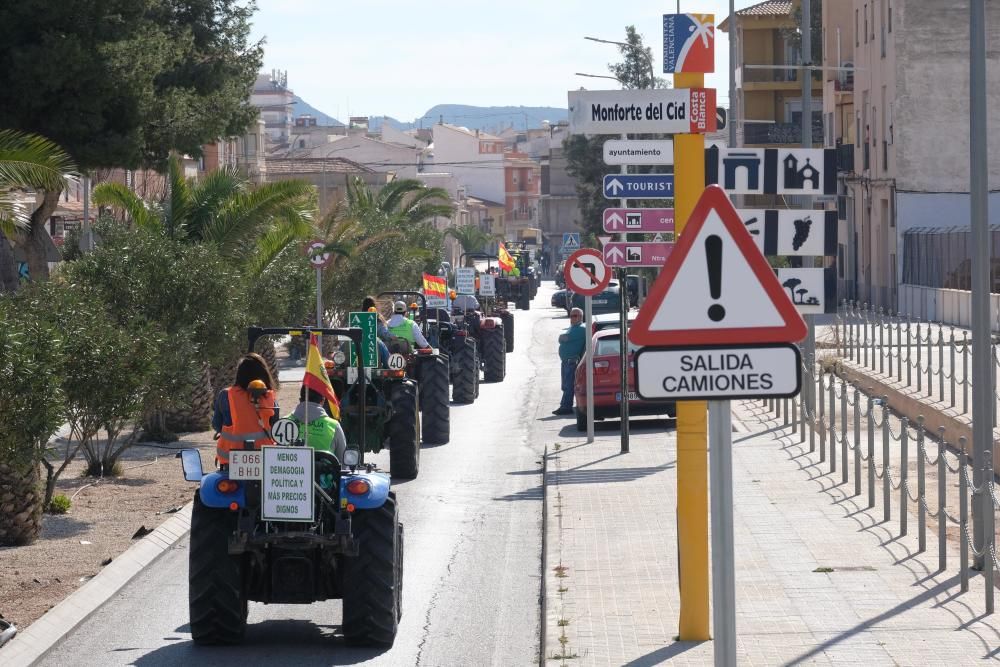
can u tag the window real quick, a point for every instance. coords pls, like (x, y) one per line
(857, 33)
(866, 24)
(890, 15)
(881, 22)
(857, 129)
(302, 143)
(873, 21)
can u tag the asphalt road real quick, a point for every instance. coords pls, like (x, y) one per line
(471, 592)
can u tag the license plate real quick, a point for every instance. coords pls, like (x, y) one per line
(632, 396)
(245, 465)
(600, 302)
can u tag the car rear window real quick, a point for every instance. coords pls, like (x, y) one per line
(611, 345)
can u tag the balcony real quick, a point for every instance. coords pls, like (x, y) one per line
(790, 134)
(845, 157)
(774, 78)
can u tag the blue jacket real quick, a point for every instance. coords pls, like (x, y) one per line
(573, 342)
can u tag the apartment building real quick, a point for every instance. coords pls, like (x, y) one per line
(911, 144)
(768, 104)
(274, 98)
(488, 169)
(839, 131)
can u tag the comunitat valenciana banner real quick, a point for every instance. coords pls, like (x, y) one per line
(666, 111)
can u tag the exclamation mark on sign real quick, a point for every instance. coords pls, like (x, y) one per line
(713, 256)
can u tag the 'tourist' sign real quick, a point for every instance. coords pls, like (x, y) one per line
(662, 110)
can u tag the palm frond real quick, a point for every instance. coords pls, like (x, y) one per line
(31, 161)
(120, 198)
(250, 214)
(215, 190)
(14, 216)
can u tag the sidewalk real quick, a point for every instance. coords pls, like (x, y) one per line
(819, 579)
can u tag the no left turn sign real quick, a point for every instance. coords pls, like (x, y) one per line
(586, 273)
(317, 258)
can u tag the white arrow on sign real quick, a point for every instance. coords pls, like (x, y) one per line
(615, 186)
(614, 254)
(614, 220)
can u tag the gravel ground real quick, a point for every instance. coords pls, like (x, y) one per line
(101, 524)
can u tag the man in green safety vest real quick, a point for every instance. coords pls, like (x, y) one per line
(403, 327)
(324, 432)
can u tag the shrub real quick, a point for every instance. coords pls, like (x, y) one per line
(59, 504)
(32, 400)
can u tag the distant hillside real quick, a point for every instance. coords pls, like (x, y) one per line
(489, 119)
(302, 108)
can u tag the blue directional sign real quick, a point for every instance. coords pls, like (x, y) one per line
(639, 186)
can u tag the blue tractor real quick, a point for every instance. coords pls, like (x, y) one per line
(288, 524)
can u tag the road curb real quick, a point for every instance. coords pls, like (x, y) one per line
(38, 638)
(545, 554)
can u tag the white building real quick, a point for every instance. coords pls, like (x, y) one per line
(475, 158)
(274, 99)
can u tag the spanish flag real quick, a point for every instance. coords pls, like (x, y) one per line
(504, 258)
(435, 286)
(316, 377)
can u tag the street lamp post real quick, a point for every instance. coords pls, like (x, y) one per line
(649, 60)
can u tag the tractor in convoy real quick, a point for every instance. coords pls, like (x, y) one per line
(428, 366)
(519, 289)
(287, 524)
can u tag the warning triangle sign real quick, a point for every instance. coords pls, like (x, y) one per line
(716, 288)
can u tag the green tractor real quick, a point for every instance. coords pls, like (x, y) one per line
(428, 366)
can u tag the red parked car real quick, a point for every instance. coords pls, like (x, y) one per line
(607, 383)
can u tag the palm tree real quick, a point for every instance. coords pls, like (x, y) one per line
(397, 218)
(247, 223)
(28, 162)
(470, 237)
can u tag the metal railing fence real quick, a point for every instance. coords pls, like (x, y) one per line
(932, 358)
(857, 431)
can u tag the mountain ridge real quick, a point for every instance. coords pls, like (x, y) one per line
(488, 119)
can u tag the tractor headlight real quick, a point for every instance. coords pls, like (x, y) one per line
(339, 357)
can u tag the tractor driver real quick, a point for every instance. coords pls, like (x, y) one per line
(403, 327)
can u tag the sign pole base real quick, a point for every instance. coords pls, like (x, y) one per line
(723, 552)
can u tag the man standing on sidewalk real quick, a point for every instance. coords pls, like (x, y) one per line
(572, 343)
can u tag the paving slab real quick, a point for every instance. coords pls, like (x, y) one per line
(820, 579)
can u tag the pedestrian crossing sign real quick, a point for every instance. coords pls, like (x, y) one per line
(571, 241)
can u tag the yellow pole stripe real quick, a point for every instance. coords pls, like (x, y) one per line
(692, 426)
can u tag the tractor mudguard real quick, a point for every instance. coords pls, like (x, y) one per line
(211, 497)
(376, 495)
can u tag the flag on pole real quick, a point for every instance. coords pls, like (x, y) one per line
(316, 378)
(435, 286)
(504, 258)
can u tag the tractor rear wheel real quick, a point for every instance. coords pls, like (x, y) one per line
(508, 329)
(217, 600)
(494, 356)
(373, 581)
(464, 387)
(404, 431)
(524, 298)
(434, 410)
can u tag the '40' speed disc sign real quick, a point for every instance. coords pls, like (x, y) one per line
(586, 273)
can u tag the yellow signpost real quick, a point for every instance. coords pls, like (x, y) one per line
(692, 422)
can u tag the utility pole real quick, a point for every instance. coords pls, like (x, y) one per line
(805, 72)
(732, 71)
(982, 341)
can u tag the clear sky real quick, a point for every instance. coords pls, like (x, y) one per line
(399, 58)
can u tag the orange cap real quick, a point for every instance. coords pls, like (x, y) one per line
(257, 384)
(371, 309)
